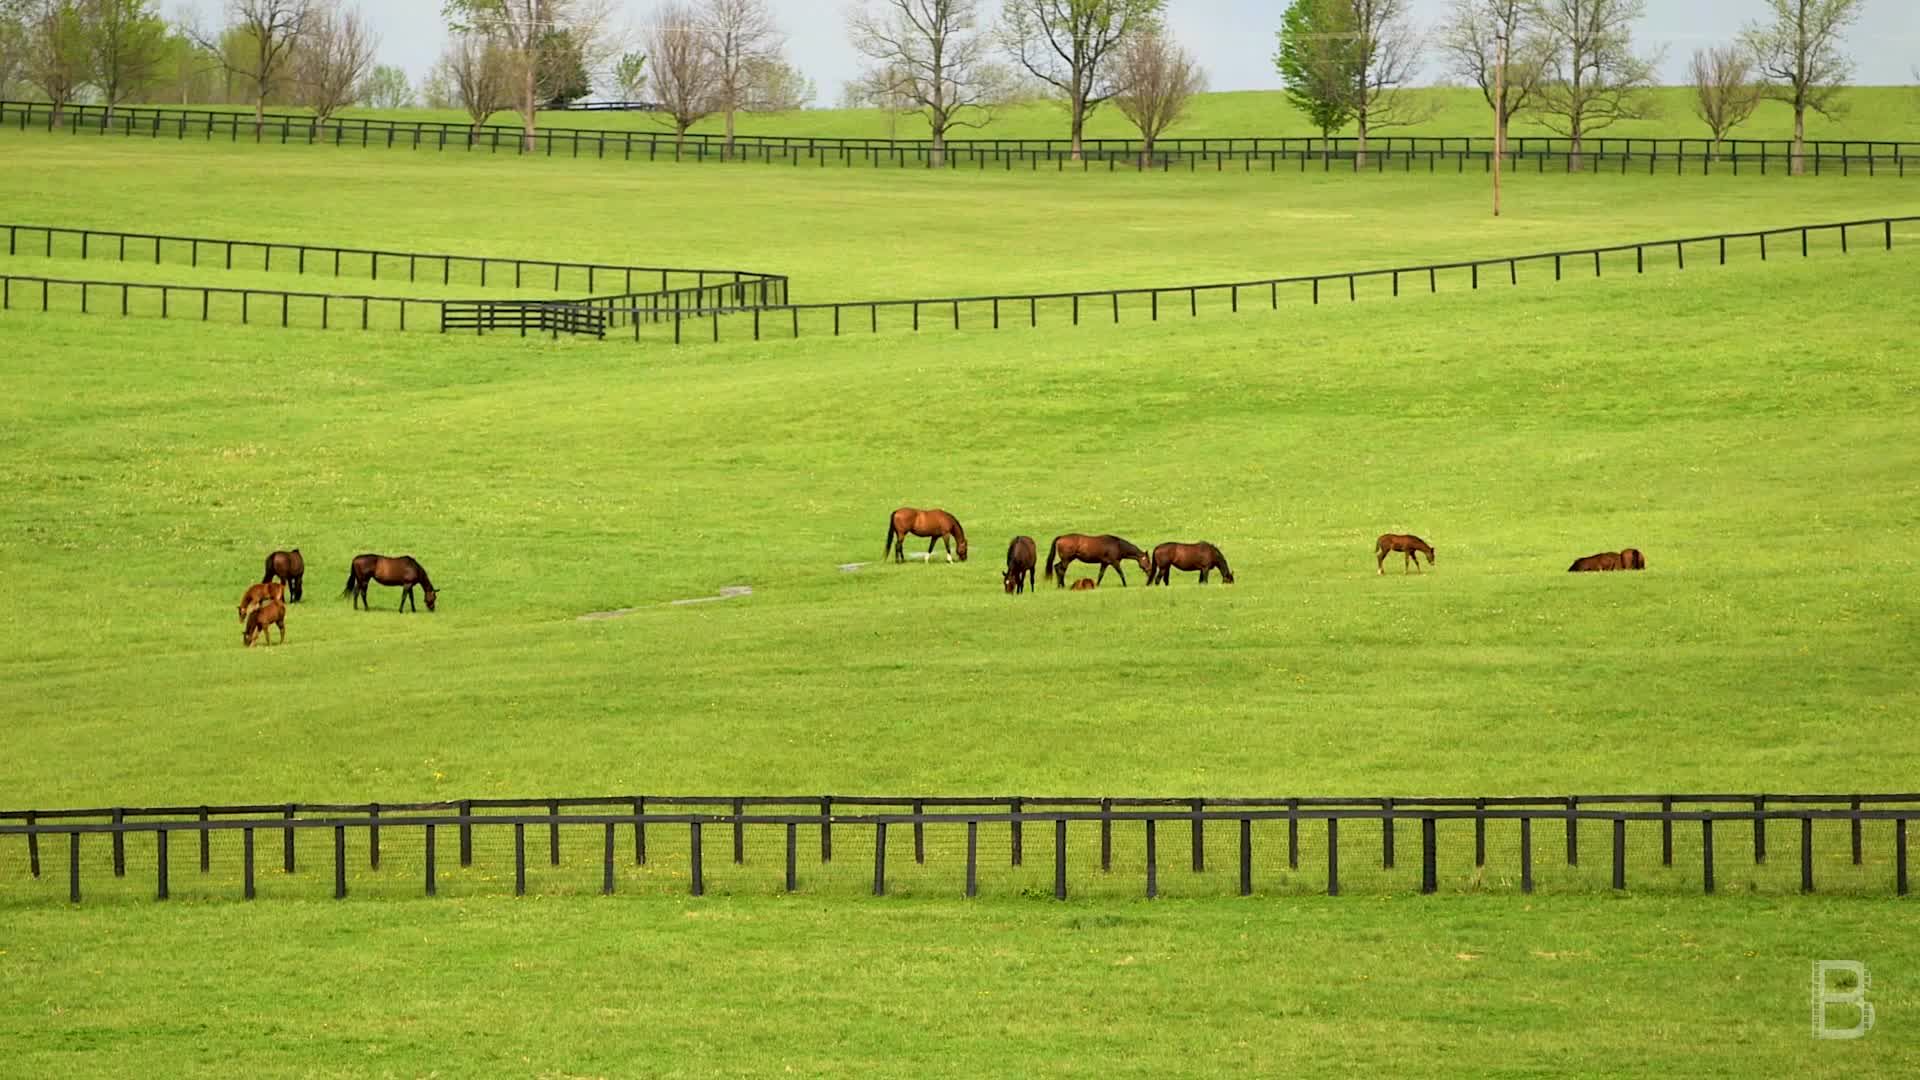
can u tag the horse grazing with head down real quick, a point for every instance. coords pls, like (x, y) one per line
(1108, 551)
(1202, 556)
(1629, 559)
(403, 571)
(1021, 555)
(1405, 543)
(289, 567)
(260, 619)
(937, 524)
(257, 595)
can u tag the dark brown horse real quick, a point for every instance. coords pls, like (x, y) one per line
(289, 567)
(260, 594)
(270, 614)
(1405, 543)
(1108, 551)
(937, 524)
(1021, 555)
(1084, 583)
(1629, 559)
(1202, 556)
(402, 571)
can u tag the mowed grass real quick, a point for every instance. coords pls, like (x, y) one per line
(1749, 427)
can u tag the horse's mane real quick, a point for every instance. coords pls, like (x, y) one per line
(1126, 546)
(425, 581)
(1219, 557)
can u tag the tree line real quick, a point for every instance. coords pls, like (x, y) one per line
(1570, 65)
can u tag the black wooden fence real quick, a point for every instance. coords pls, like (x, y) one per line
(1149, 302)
(1875, 157)
(1858, 840)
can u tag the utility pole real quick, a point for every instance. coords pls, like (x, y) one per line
(1499, 111)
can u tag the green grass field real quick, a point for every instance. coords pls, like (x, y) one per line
(1750, 427)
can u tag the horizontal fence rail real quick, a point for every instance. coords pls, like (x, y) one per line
(1854, 843)
(760, 304)
(1432, 154)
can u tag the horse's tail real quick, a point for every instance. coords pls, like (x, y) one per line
(348, 591)
(889, 549)
(1052, 549)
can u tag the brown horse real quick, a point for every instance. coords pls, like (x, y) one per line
(289, 567)
(1405, 543)
(1021, 555)
(260, 594)
(1202, 556)
(1108, 551)
(1084, 583)
(402, 571)
(1629, 559)
(270, 614)
(937, 524)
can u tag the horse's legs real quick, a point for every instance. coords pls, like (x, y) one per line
(1380, 560)
(1203, 575)
(405, 592)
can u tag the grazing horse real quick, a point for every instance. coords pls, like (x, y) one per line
(289, 567)
(1108, 551)
(1021, 555)
(259, 620)
(1629, 559)
(937, 524)
(402, 571)
(257, 595)
(1084, 583)
(1202, 556)
(1405, 543)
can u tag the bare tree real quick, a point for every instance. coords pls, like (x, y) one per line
(1798, 55)
(477, 74)
(930, 56)
(1592, 78)
(333, 59)
(126, 42)
(1724, 91)
(1473, 37)
(55, 58)
(1387, 57)
(270, 29)
(1160, 77)
(1070, 45)
(684, 80)
(738, 35)
(524, 31)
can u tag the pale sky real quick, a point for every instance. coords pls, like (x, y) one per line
(1233, 39)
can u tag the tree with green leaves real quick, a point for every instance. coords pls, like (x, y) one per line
(258, 45)
(1317, 61)
(1800, 61)
(57, 57)
(630, 75)
(1073, 46)
(386, 87)
(13, 43)
(126, 43)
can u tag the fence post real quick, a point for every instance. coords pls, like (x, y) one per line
(1060, 858)
(160, 864)
(1706, 852)
(793, 855)
(1526, 855)
(1293, 834)
(739, 832)
(204, 845)
(246, 860)
(1759, 830)
(826, 830)
(286, 843)
(1573, 832)
(1386, 835)
(973, 858)
(1199, 839)
(73, 866)
(119, 844)
(1806, 854)
(339, 862)
(1619, 853)
(1900, 856)
(1479, 833)
(880, 858)
(1333, 856)
(919, 833)
(1666, 831)
(699, 882)
(1856, 832)
(1153, 864)
(1429, 859)
(1106, 835)
(606, 864)
(1015, 806)
(433, 886)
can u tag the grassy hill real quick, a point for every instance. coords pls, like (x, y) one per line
(1751, 428)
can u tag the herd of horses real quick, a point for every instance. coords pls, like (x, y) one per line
(264, 605)
(1109, 552)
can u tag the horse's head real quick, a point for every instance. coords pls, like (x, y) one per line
(1226, 576)
(1146, 562)
(1007, 579)
(960, 546)
(431, 595)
